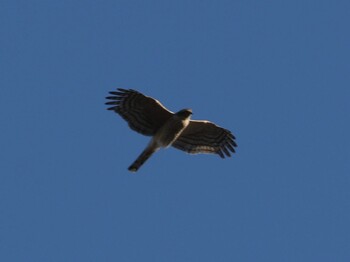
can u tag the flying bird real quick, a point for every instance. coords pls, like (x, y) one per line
(149, 117)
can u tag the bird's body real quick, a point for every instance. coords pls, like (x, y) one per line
(149, 117)
(172, 128)
(164, 137)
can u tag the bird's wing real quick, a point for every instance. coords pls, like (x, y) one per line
(206, 137)
(144, 114)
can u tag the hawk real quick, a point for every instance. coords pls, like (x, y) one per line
(149, 117)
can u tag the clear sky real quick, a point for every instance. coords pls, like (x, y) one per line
(276, 73)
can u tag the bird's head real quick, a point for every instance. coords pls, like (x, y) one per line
(184, 113)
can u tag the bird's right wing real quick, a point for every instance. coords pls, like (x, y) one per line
(206, 137)
(144, 114)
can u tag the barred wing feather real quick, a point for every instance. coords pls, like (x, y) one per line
(206, 137)
(144, 114)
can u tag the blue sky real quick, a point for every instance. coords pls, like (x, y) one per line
(276, 73)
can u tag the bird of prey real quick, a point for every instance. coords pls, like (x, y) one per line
(149, 117)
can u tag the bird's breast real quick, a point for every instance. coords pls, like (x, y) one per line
(170, 131)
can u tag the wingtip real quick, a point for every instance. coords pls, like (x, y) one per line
(112, 108)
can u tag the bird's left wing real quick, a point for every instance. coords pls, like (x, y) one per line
(144, 114)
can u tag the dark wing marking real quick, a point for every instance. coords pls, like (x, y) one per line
(206, 137)
(143, 113)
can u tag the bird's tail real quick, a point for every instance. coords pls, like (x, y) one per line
(142, 158)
